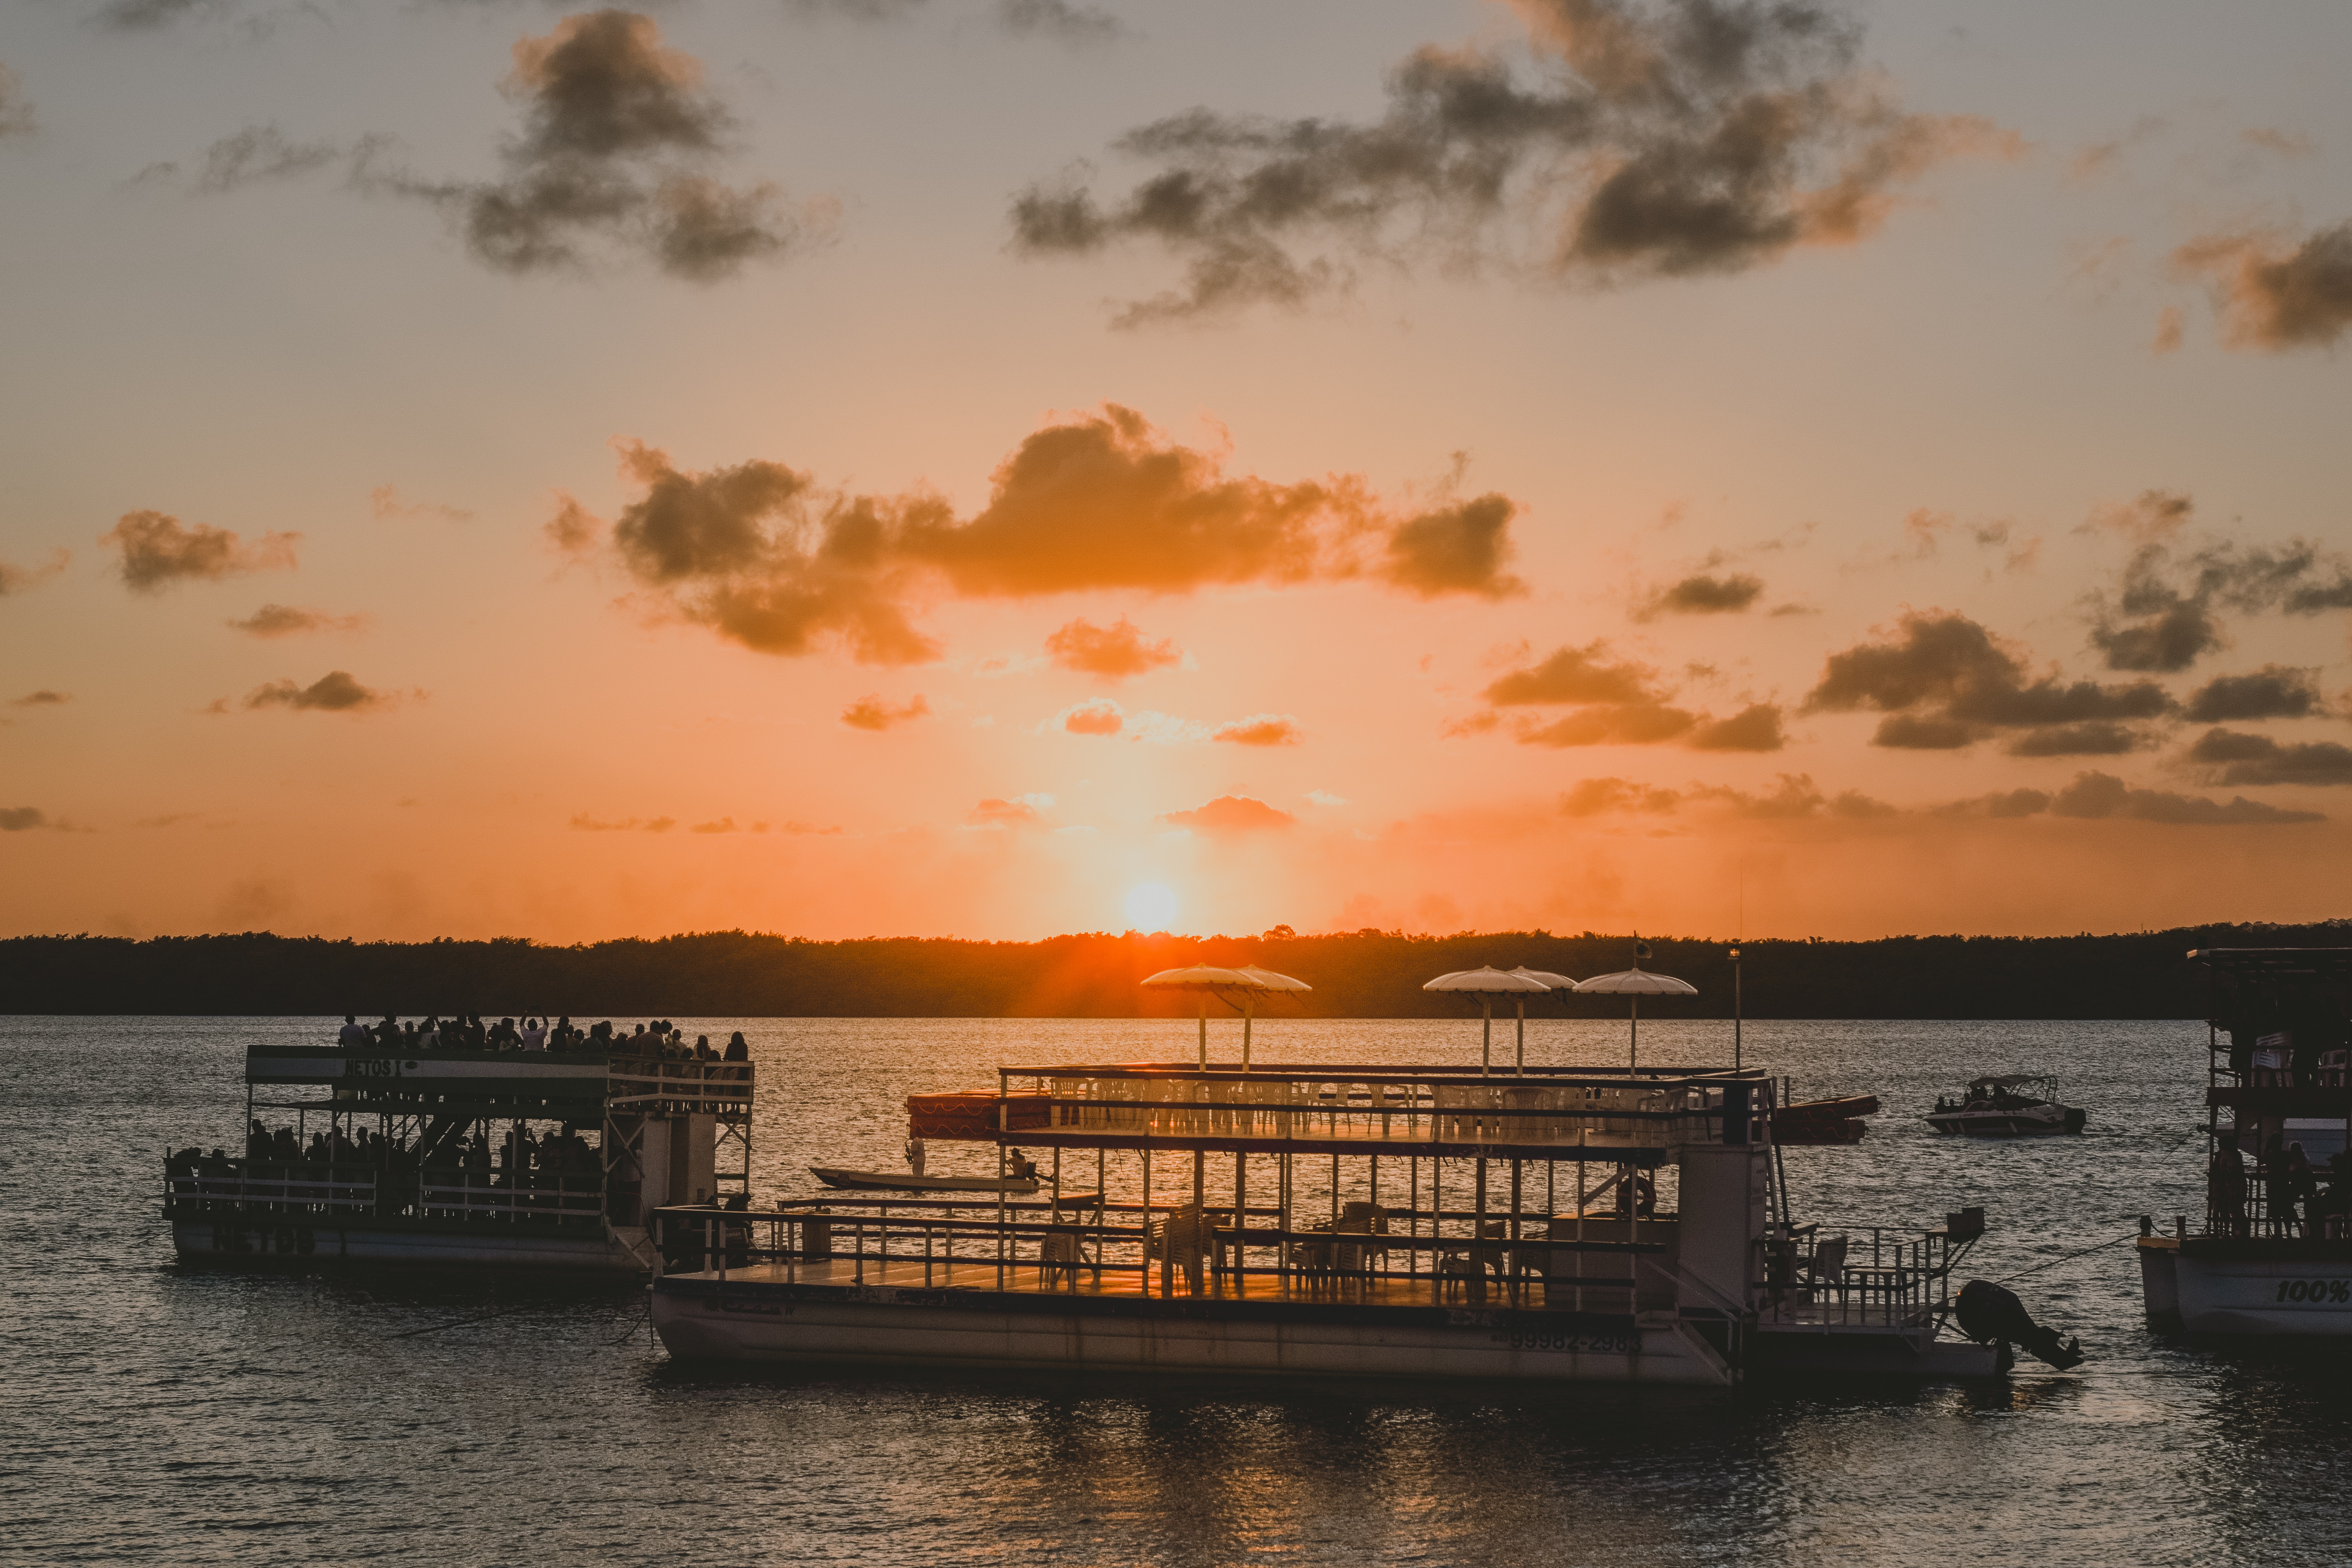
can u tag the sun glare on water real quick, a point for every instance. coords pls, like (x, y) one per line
(1151, 905)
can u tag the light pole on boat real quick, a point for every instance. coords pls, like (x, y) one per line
(1734, 1009)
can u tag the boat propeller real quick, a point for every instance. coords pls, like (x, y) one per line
(1990, 1315)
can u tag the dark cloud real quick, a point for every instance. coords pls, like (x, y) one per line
(1795, 797)
(1755, 728)
(2099, 738)
(1945, 675)
(22, 819)
(584, 823)
(2100, 795)
(2162, 618)
(291, 620)
(2274, 292)
(1618, 702)
(1459, 549)
(1260, 730)
(157, 551)
(1057, 19)
(1114, 652)
(723, 824)
(1632, 138)
(873, 713)
(1230, 813)
(617, 135)
(2235, 757)
(1703, 594)
(385, 502)
(16, 111)
(1102, 502)
(2273, 692)
(615, 154)
(333, 693)
(17, 579)
(1578, 675)
(42, 699)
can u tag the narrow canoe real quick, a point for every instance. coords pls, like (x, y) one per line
(901, 1181)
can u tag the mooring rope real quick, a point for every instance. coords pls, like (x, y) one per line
(2053, 1263)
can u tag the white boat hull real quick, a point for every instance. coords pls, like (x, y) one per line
(245, 1243)
(937, 1327)
(2283, 1296)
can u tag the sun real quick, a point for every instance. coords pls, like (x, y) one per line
(1151, 905)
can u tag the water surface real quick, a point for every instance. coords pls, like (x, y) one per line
(196, 1416)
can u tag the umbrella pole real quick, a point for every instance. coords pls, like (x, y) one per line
(1633, 1049)
(1249, 1010)
(1519, 1061)
(1204, 1031)
(1486, 1035)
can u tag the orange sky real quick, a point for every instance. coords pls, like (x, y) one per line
(1536, 465)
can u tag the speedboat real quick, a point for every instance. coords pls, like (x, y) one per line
(901, 1182)
(2009, 1105)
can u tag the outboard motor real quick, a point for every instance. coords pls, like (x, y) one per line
(1990, 1315)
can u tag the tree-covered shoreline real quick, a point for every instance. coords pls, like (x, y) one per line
(1366, 973)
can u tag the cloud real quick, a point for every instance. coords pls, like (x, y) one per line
(2273, 692)
(1459, 549)
(158, 551)
(1703, 594)
(2234, 757)
(2277, 293)
(1230, 813)
(17, 579)
(871, 712)
(724, 825)
(1944, 675)
(16, 110)
(763, 555)
(1619, 702)
(994, 812)
(2099, 738)
(333, 693)
(22, 819)
(1927, 530)
(1325, 797)
(1260, 730)
(2097, 795)
(2001, 805)
(1113, 652)
(290, 620)
(1628, 140)
(42, 699)
(385, 503)
(1796, 797)
(584, 823)
(2162, 618)
(1060, 20)
(1096, 716)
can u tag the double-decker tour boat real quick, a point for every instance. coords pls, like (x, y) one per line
(384, 1153)
(2272, 1252)
(1555, 1224)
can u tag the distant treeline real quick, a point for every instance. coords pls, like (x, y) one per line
(1361, 974)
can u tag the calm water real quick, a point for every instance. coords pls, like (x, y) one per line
(190, 1416)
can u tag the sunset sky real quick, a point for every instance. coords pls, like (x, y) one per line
(994, 467)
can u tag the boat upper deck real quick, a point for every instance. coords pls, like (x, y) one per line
(370, 1077)
(1535, 1113)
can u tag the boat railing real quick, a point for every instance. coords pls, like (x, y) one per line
(675, 1084)
(353, 1191)
(1447, 1258)
(1176, 1104)
(1858, 1277)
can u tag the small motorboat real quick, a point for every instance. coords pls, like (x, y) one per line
(904, 1182)
(1823, 1121)
(2012, 1105)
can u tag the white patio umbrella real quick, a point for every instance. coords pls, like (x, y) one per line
(1486, 983)
(1248, 982)
(1634, 985)
(1557, 982)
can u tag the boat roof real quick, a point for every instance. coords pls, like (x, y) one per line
(2329, 962)
(2008, 1079)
